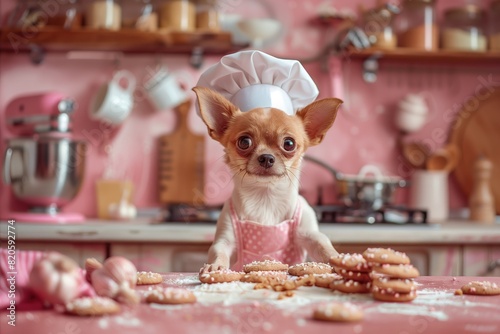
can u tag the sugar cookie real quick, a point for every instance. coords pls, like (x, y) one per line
(220, 276)
(268, 277)
(354, 275)
(386, 256)
(483, 288)
(395, 285)
(397, 270)
(148, 277)
(92, 306)
(349, 286)
(170, 296)
(265, 265)
(338, 312)
(386, 296)
(352, 262)
(324, 280)
(309, 268)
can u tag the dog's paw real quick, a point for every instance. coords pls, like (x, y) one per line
(209, 267)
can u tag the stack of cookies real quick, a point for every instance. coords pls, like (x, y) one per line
(267, 272)
(355, 272)
(393, 275)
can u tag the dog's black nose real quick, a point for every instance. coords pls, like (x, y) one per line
(266, 160)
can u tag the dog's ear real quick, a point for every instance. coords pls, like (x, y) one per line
(318, 117)
(216, 111)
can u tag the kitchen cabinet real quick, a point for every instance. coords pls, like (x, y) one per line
(481, 261)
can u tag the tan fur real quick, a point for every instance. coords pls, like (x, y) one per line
(266, 195)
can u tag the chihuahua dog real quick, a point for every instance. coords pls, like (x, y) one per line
(265, 218)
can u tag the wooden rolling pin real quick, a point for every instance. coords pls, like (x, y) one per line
(481, 202)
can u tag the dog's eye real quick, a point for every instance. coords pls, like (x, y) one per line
(289, 144)
(244, 142)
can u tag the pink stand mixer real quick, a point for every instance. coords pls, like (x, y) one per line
(43, 164)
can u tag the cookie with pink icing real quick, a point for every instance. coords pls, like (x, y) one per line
(220, 276)
(351, 262)
(390, 296)
(309, 268)
(385, 256)
(93, 306)
(483, 288)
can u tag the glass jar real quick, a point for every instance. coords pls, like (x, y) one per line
(207, 16)
(417, 26)
(104, 14)
(495, 26)
(139, 15)
(178, 15)
(377, 25)
(464, 29)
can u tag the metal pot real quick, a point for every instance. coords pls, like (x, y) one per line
(363, 191)
(44, 172)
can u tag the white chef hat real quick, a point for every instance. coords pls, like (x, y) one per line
(253, 79)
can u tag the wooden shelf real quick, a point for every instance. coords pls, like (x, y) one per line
(414, 55)
(133, 41)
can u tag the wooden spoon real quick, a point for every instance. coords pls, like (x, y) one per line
(416, 154)
(444, 159)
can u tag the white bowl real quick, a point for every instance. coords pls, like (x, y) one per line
(260, 30)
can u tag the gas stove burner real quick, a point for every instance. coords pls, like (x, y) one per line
(398, 215)
(193, 214)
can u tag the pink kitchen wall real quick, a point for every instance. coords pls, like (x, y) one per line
(364, 132)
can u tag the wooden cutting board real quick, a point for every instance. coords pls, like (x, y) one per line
(181, 162)
(477, 132)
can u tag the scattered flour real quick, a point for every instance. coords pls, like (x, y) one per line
(126, 320)
(407, 309)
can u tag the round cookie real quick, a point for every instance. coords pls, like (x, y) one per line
(354, 275)
(170, 296)
(395, 285)
(324, 280)
(268, 277)
(220, 276)
(265, 265)
(349, 286)
(483, 288)
(309, 268)
(386, 296)
(92, 306)
(385, 255)
(397, 270)
(352, 262)
(338, 312)
(148, 277)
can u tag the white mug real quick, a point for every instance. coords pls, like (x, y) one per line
(164, 90)
(429, 191)
(113, 103)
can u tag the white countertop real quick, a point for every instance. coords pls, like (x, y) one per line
(453, 232)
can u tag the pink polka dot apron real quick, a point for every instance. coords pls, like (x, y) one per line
(255, 242)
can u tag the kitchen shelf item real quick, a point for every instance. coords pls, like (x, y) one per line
(104, 14)
(181, 163)
(207, 15)
(429, 191)
(476, 134)
(444, 159)
(495, 25)
(416, 154)
(260, 30)
(178, 15)
(125, 40)
(416, 25)
(367, 190)
(378, 26)
(464, 28)
(481, 203)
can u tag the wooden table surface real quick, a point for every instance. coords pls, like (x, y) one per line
(237, 308)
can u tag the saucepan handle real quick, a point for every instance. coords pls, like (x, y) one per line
(332, 170)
